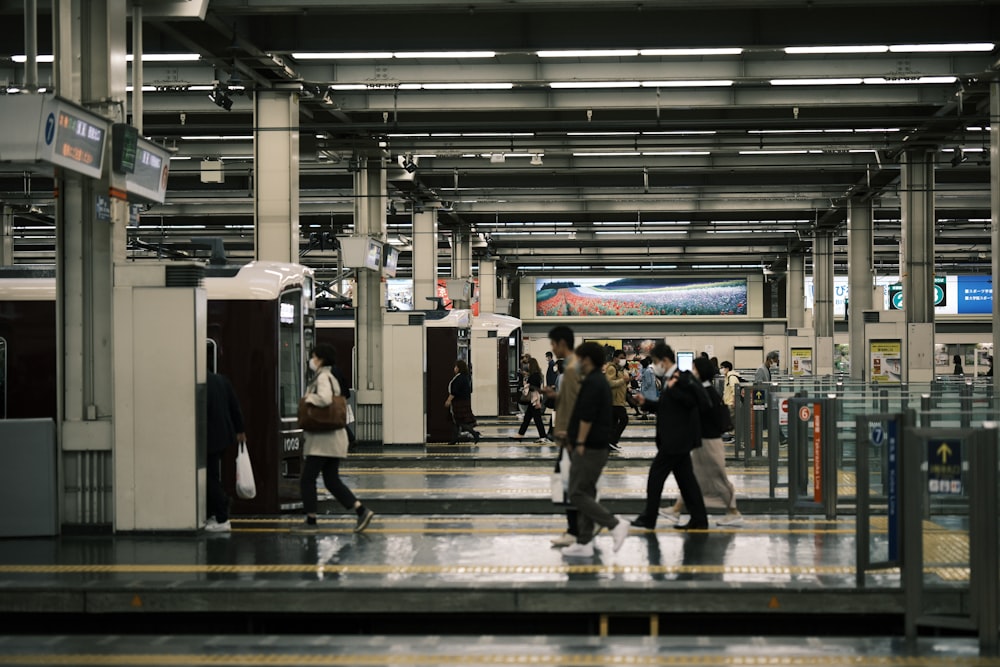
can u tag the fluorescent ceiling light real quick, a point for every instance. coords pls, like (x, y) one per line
(165, 57)
(498, 134)
(468, 86)
(337, 55)
(879, 130)
(710, 83)
(181, 157)
(217, 137)
(589, 53)
(349, 86)
(942, 48)
(594, 84)
(817, 82)
(410, 86)
(779, 152)
(676, 153)
(617, 154)
(691, 52)
(444, 54)
(877, 81)
(426, 155)
(679, 132)
(641, 233)
(973, 128)
(821, 50)
(975, 149)
(601, 134)
(407, 135)
(200, 87)
(42, 58)
(145, 89)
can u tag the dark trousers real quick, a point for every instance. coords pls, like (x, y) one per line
(216, 498)
(620, 415)
(458, 429)
(532, 413)
(583, 476)
(330, 467)
(680, 465)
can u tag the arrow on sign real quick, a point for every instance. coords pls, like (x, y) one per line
(944, 451)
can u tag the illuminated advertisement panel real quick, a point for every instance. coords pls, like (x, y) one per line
(640, 297)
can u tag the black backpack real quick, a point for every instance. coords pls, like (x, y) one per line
(720, 412)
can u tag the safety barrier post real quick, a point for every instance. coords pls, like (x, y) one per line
(830, 456)
(984, 566)
(925, 411)
(965, 403)
(884, 431)
(759, 406)
(773, 440)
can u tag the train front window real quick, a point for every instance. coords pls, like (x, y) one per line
(290, 359)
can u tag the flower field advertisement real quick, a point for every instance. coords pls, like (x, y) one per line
(640, 297)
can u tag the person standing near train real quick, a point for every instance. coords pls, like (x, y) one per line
(459, 403)
(224, 421)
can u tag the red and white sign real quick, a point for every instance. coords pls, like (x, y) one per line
(783, 413)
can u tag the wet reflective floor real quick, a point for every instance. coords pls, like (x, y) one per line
(437, 650)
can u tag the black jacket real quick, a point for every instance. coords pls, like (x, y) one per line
(710, 428)
(460, 387)
(678, 415)
(222, 413)
(551, 374)
(593, 405)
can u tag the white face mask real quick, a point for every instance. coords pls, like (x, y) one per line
(313, 366)
(621, 363)
(659, 370)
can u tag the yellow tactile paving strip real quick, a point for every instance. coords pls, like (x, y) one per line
(589, 660)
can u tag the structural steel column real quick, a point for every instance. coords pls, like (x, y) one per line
(89, 41)
(6, 236)
(823, 300)
(370, 200)
(425, 267)
(860, 267)
(276, 175)
(487, 285)
(461, 254)
(995, 209)
(137, 70)
(916, 262)
(795, 297)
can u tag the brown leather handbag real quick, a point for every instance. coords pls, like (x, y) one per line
(320, 419)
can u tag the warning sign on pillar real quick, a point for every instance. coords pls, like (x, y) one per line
(783, 413)
(817, 455)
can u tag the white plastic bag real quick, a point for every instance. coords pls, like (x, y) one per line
(246, 488)
(560, 479)
(350, 413)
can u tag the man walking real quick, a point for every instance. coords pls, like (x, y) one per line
(678, 431)
(763, 374)
(561, 340)
(224, 422)
(618, 380)
(588, 434)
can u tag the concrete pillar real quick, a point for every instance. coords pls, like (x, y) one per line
(916, 252)
(823, 301)
(860, 267)
(795, 294)
(425, 250)
(276, 175)
(487, 285)
(6, 236)
(370, 200)
(89, 41)
(461, 254)
(916, 262)
(995, 210)
(137, 71)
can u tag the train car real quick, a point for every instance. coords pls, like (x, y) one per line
(496, 343)
(260, 330)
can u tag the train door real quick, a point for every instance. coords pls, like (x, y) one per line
(291, 386)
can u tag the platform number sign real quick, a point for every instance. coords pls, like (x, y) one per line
(944, 467)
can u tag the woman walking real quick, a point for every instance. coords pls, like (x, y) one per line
(325, 449)
(459, 403)
(709, 460)
(534, 409)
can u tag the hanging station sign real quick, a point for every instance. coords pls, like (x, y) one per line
(148, 179)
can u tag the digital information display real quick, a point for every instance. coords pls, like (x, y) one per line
(73, 139)
(149, 180)
(124, 141)
(391, 261)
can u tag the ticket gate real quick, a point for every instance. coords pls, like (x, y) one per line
(812, 456)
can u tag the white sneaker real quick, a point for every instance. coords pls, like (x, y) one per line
(619, 533)
(731, 520)
(213, 526)
(670, 514)
(616, 448)
(579, 550)
(564, 540)
(543, 441)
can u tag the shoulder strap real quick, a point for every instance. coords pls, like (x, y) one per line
(334, 385)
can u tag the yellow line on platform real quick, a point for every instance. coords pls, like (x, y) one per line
(595, 659)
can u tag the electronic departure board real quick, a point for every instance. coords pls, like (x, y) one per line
(149, 179)
(76, 138)
(124, 140)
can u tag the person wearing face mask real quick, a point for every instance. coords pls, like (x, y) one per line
(709, 460)
(618, 379)
(678, 432)
(324, 450)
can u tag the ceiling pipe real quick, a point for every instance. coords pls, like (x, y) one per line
(137, 73)
(31, 46)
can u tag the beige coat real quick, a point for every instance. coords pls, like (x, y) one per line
(320, 393)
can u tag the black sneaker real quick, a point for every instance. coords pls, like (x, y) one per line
(307, 526)
(364, 520)
(643, 522)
